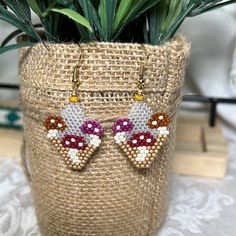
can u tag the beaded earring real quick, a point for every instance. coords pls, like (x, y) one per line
(142, 134)
(74, 135)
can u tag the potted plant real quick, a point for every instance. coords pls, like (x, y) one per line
(107, 50)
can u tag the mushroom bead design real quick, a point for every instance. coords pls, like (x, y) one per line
(142, 134)
(74, 136)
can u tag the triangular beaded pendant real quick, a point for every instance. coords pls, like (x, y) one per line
(141, 134)
(74, 135)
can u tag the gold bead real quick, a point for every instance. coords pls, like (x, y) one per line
(74, 99)
(138, 97)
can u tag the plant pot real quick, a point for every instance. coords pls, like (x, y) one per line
(110, 196)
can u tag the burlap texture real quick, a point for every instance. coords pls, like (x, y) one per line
(110, 196)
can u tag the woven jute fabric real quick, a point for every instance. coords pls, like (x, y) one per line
(110, 196)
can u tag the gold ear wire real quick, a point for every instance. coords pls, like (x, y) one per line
(75, 80)
(138, 96)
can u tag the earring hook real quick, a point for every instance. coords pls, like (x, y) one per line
(75, 80)
(138, 96)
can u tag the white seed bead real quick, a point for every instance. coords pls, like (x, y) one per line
(154, 122)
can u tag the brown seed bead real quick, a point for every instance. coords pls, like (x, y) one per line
(149, 163)
(152, 158)
(133, 159)
(130, 156)
(165, 136)
(138, 166)
(162, 139)
(142, 165)
(133, 152)
(130, 149)
(151, 151)
(85, 159)
(158, 147)
(160, 143)
(54, 141)
(147, 166)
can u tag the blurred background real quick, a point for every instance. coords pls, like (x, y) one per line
(197, 205)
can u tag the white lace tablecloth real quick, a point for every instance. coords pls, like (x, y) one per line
(198, 206)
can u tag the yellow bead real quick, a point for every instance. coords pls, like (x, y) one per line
(138, 97)
(74, 99)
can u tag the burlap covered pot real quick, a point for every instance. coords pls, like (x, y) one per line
(110, 196)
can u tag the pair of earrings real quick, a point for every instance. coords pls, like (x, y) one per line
(140, 135)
